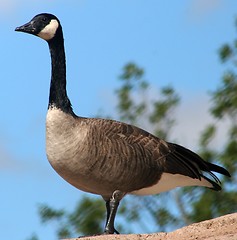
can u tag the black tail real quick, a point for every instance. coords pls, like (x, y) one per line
(183, 161)
(218, 169)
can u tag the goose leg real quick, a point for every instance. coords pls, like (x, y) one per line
(111, 207)
(108, 211)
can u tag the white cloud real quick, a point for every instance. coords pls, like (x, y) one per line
(7, 161)
(199, 9)
(12, 8)
(7, 7)
(192, 118)
(10, 164)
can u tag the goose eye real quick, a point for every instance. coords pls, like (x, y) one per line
(44, 19)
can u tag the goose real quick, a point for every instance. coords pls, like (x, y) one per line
(108, 157)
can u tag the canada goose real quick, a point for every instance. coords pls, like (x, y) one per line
(107, 157)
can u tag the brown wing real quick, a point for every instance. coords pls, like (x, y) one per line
(145, 157)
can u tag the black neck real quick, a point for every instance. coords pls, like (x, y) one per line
(58, 93)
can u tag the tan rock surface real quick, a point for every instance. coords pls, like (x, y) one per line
(222, 228)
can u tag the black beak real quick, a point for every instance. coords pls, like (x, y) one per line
(27, 28)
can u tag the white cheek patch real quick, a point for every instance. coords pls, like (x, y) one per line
(49, 31)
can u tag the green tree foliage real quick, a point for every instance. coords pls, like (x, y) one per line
(83, 219)
(137, 105)
(224, 108)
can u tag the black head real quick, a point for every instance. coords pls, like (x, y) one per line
(43, 25)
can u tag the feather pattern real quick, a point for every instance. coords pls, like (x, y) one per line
(120, 156)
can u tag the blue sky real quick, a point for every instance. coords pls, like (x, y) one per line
(175, 41)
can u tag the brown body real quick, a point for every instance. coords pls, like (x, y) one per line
(121, 157)
(101, 156)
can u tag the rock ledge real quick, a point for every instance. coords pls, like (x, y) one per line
(222, 228)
